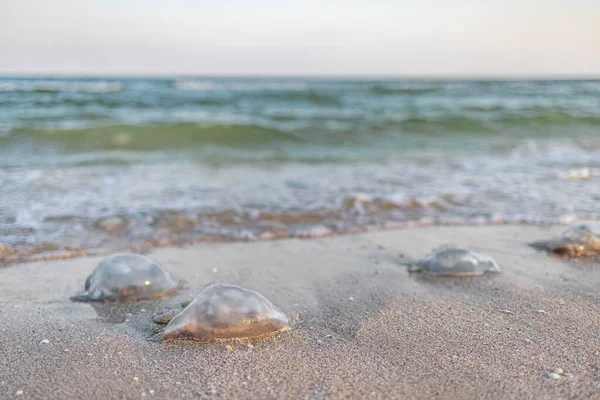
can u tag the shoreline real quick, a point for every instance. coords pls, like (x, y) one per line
(10, 256)
(362, 326)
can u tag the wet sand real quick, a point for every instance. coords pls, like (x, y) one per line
(363, 327)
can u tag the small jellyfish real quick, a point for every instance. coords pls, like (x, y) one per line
(125, 277)
(224, 312)
(582, 240)
(455, 262)
(165, 317)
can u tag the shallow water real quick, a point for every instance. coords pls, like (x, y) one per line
(89, 165)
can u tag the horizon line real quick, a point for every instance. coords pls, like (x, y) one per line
(14, 74)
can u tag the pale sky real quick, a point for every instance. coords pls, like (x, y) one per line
(303, 37)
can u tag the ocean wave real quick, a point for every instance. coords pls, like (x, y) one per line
(549, 117)
(154, 137)
(405, 88)
(309, 96)
(270, 131)
(432, 125)
(237, 86)
(194, 85)
(113, 102)
(521, 123)
(53, 86)
(277, 91)
(364, 201)
(484, 107)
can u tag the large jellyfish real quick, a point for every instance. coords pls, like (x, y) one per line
(224, 312)
(455, 262)
(123, 277)
(581, 240)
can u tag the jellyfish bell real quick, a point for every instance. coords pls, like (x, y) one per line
(581, 240)
(122, 277)
(224, 312)
(163, 318)
(455, 262)
(582, 233)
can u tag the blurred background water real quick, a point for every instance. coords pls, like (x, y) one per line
(96, 164)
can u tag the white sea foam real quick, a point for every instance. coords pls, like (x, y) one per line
(250, 86)
(580, 173)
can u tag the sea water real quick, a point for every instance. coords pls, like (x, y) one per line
(90, 164)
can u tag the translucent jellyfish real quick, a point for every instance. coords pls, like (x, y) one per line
(224, 312)
(126, 277)
(164, 318)
(455, 262)
(581, 240)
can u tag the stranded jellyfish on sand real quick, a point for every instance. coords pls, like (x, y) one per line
(125, 277)
(455, 262)
(577, 241)
(224, 312)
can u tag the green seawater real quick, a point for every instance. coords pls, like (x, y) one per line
(235, 157)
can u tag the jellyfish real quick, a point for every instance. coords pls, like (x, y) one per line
(581, 240)
(163, 318)
(224, 312)
(455, 262)
(123, 277)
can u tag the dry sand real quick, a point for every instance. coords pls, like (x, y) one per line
(363, 326)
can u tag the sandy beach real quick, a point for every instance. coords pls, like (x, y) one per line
(248, 200)
(363, 327)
